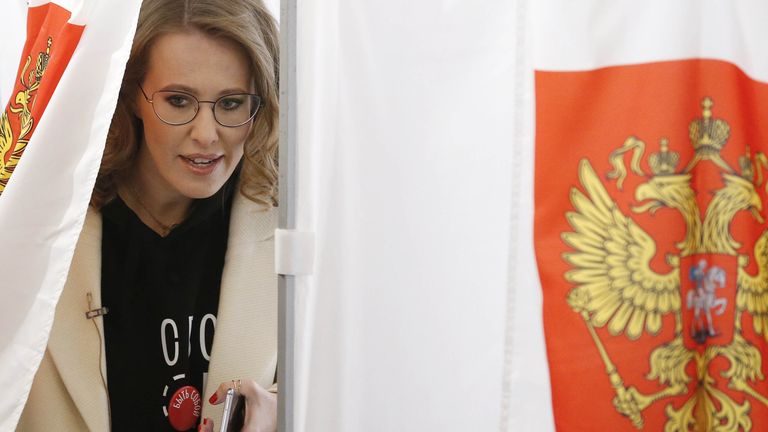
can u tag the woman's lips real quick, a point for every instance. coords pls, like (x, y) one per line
(201, 164)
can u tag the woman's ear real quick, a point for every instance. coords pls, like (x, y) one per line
(136, 96)
(133, 107)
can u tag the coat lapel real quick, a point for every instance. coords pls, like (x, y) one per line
(245, 343)
(76, 343)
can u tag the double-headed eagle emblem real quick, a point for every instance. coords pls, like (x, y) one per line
(707, 291)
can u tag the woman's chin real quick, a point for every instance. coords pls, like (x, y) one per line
(201, 192)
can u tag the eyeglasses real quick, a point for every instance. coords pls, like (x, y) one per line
(178, 108)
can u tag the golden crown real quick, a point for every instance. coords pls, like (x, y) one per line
(665, 161)
(707, 133)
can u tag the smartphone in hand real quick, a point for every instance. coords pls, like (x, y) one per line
(234, 412)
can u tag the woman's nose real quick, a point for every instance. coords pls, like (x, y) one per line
(205, 128)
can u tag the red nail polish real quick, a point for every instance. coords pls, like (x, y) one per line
(205, 420)
(212, 399)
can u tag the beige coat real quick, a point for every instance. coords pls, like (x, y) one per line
(69, 394)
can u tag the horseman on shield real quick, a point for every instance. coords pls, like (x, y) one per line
(702, 298)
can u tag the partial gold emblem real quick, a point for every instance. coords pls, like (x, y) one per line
(21, 107)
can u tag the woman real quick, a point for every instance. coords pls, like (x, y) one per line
(177, 242)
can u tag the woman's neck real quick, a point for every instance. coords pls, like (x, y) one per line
(159, 210)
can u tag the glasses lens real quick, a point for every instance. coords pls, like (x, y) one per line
(174, 107)
(236, 109)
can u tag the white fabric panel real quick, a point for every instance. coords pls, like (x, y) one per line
(44, 204)
(12, 33)
(591, 33)
(414, 178)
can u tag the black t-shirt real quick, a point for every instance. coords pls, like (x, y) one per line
(163, 296)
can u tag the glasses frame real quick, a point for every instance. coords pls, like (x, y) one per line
(213, 106)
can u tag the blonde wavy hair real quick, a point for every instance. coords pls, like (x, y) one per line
(246, 22)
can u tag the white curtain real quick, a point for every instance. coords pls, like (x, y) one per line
(415, 171)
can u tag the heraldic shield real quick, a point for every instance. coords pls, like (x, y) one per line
(652, 247)
(708, 300)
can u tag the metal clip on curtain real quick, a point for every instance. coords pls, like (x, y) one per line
(294, 252)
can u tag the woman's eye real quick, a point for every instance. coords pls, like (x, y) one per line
(178, 100)
(231, 103)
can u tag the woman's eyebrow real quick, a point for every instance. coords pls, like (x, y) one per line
(194, 91)
(181, 87)
(232, 90)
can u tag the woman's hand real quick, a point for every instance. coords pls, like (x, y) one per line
(260, 406)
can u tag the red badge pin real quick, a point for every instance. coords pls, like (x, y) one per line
(184, 408)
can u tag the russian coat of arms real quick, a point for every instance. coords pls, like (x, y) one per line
(708, 290)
